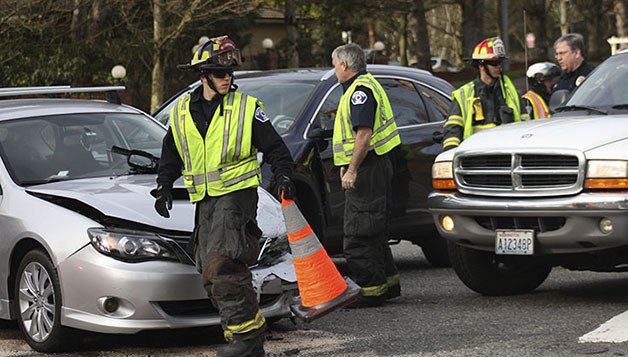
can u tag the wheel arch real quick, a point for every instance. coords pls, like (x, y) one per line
(17, 254)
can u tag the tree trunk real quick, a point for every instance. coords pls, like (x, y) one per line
(77, 27)
(403, 40)
(564, 17)
(472, 24)
(594, 38)
(371, 33)
(96, 20)
(292, 53)
(157, 84)
(621, 11)
(422, 36)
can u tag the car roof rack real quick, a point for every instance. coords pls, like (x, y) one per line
(112, 94)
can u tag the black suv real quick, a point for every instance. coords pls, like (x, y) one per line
(302, 106)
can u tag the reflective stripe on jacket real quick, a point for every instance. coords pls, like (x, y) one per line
(385, 135)
(540, 109)
(225, 160)
(465, 96)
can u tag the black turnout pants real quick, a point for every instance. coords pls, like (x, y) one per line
(225, 249)
(366, 219)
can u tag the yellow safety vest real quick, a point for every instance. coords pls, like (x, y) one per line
(541, 111)
(385, 135)
(465, 96)
(225, 160)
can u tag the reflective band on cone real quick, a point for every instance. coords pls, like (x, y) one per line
(321, 287)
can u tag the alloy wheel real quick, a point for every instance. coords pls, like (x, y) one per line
(36, 301)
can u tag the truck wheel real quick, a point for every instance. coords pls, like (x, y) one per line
(479, 271)
(436, 252)
(38, 303)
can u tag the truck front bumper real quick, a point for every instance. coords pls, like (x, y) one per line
(575, 220)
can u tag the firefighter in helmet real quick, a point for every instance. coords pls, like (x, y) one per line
(540, 81)
(214, 136)
(489, 100)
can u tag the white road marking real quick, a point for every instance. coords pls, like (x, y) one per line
(614, 330)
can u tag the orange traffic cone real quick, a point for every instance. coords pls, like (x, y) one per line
(323, 290)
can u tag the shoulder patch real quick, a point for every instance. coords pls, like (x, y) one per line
(261, 115)
(358, 97)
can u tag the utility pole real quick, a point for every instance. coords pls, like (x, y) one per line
(504, 36)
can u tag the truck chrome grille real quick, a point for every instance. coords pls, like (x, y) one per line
(533, 173)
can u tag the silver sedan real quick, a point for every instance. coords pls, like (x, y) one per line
(81, 247)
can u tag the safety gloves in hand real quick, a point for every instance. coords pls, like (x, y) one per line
(286, 186)
(163, 200)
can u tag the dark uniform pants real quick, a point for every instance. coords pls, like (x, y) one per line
(227, 243)
(366, 219)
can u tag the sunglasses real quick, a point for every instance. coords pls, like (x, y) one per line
(221, 72)
(494, 63)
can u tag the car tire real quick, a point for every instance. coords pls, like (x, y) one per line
(480, 271)
(436, 252)
(38, 305)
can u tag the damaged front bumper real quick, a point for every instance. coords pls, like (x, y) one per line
(120, 297)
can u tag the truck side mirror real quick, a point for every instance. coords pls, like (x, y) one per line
(558, 98)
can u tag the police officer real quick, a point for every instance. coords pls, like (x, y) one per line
(570, 57)
(540, 81)
(488, 101)
(214, 136)
(364, 132)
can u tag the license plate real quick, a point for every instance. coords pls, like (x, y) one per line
(514, 242)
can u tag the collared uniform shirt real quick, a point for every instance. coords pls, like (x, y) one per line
(568, 80)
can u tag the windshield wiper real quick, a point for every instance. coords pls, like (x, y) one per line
(621, 106)
(49, 179)
(569, 108)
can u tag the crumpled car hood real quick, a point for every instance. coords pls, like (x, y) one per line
(129, 198)
(581, 133)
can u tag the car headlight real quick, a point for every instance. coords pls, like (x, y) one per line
(132, 246)
(607, 174)
(443, 176)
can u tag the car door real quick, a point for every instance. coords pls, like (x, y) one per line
(419, 119)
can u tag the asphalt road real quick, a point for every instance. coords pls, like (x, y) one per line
(435, 316)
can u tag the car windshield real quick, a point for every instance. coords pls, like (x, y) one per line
(282, 99)
(64, 147)
(605, 88)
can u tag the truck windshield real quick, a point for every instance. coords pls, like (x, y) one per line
(605, 87)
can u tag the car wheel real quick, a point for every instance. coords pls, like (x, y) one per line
(38, 299)
(481, 272)
(436, 252)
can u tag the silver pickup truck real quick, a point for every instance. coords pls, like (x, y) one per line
(519, 199)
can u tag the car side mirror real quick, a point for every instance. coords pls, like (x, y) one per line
(142, 162)
(317, 132)
(558, 98)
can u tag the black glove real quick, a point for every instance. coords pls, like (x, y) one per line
(286, 186)
(163, 200)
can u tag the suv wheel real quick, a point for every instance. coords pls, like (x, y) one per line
(38, 304)
(436, 252)
(481, 272)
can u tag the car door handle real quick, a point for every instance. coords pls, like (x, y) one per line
(438, 137)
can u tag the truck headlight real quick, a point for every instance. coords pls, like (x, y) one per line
(443, 175)
(132, 246)
(607, 174)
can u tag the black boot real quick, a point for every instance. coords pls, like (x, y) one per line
(241, 346)
(393, 291)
